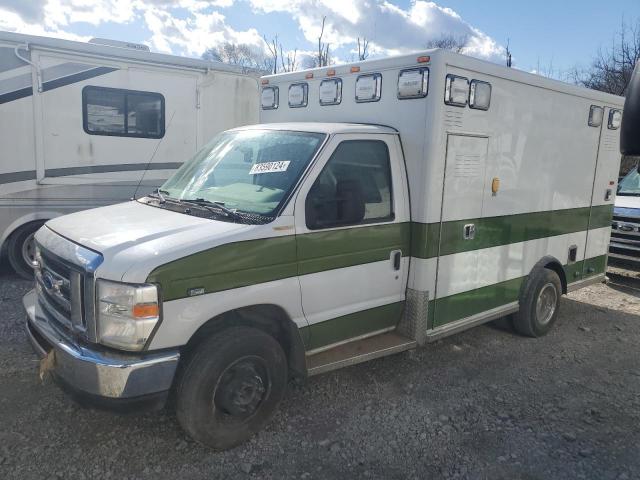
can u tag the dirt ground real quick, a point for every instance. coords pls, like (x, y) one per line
(484, 404)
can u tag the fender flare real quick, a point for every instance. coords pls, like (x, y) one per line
(549, 262)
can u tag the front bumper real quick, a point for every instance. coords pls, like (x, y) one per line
(95, 374)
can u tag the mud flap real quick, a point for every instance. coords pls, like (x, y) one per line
(47, 364)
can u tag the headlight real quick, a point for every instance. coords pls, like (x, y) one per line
(127, 314)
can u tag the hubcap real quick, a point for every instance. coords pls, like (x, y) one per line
(29, 250)
(242, 388)
(546, 304)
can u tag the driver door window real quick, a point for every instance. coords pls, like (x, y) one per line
(353, 188)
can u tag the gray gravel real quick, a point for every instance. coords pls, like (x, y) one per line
(485, 404)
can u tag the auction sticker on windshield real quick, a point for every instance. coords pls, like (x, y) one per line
(269, 167)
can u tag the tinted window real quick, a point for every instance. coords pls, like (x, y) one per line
(126, 113)
(354, 187)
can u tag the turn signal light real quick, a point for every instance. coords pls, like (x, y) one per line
(146, 310)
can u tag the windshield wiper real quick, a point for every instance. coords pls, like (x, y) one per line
(215, 207)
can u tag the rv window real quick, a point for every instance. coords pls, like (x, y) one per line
(123, 113)
(353, 188)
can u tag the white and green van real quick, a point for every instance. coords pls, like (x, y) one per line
(378, 207)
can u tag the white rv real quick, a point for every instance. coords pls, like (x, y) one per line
(88, 124)
(379, 206)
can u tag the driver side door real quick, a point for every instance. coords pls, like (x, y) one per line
(352, 238)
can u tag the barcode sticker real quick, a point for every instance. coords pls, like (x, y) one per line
(270, 167)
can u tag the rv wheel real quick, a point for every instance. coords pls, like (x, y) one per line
(539, 303)
(231, 387)
(21, 249)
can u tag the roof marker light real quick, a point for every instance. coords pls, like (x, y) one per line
(331, 72)
(355, 69)
(264, 81)
(308, 75)
(423, 59)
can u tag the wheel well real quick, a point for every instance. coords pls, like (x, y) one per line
(555, 266)
(271, 319)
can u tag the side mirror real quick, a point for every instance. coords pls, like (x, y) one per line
(629, 137)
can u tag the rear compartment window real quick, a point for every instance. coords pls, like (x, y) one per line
(122, 113)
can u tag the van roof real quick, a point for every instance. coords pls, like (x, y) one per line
(319, 127)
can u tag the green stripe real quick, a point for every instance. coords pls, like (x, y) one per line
(228, 266)
(503, 230)
(601, 216)
(332, 249)
(466, 304)
(352, 325)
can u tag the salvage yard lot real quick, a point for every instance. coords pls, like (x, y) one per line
(486, 403)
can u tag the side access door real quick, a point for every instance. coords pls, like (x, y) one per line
(352, 237)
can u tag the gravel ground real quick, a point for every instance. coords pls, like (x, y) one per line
(484, 404)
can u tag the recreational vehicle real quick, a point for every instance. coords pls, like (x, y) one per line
(90, 124)
(379, 206)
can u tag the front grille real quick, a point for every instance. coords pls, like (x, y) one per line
(60, 287)
(625, 237)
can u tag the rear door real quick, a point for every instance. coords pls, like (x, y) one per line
(352, 236)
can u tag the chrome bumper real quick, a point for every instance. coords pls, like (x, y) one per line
(103, 374)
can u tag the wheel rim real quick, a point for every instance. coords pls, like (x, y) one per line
(242, 388)
(546, 303)
(29, 249)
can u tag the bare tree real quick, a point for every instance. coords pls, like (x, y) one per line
(272, 46)
(363, 51)
(449, 42)
(323, 48)
(241, 55)
(610, 70)
(290, 65)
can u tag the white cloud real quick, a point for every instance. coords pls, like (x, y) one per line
(189, 27)
(390, 28)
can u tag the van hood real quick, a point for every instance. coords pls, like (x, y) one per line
(134, 238)
(627, 201)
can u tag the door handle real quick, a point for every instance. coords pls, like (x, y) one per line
(469, 231)
(396, 257)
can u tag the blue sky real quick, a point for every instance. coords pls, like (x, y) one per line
(552, 34)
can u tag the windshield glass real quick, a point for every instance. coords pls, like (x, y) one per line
(248, 170)
(630, 184)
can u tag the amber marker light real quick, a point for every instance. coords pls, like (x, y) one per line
(331, 72)
(355, 69)
(424, 59)
(146, 310)
(308, 76)
(264, 81)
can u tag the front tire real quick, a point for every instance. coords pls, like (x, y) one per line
(539, 304)
(21, 249)
(231, 387)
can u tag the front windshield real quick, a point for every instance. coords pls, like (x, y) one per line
(247, 170)
(630, 184)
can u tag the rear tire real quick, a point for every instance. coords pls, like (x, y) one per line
(231, 386)
(21, 249)
(539, 304)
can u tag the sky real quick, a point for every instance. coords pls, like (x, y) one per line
(551, 36)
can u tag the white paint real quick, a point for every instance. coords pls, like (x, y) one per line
(181, 318)
(598, 242)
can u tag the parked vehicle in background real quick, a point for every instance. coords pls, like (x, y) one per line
(625, 227)
(380, 206)
(88, 124)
